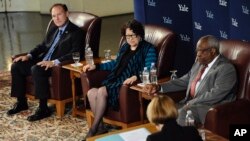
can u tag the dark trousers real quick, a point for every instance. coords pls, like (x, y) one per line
(20, 70)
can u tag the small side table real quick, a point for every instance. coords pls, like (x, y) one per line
(143, 95)
(75, 72)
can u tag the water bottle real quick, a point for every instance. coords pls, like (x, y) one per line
(153, 74)
(189, 120)
(89, 56)
(145, 76)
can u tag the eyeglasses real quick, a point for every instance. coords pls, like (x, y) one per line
(130, 36)
(203, 50)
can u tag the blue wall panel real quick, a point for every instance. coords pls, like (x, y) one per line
(240, 19)
(192, 19)
(177, 16)
(140, 14)
(210, 17)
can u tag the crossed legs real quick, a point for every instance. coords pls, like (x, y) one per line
(98, 102)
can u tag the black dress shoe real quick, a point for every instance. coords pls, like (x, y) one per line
(89, 134)
(18, 107)
(40, 114)
(101, 130)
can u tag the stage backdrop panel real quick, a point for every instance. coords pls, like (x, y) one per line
(239, 19)
(210, 17)
(175, 15)
(192, 19)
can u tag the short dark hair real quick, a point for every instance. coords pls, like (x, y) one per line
(64, 6)
(135, 26)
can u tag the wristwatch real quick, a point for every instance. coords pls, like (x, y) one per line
(53, 61)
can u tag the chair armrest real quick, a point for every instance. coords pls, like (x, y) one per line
(17, 55)
(163, 79)
(92, 79)
(125, 92)
(22, 54)
(59, 79)
(176, 96)
(219, 118)
(66, 62)
(129, 103)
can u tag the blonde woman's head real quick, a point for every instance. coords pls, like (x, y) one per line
(161, 109)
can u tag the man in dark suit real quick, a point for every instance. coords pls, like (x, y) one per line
(62, 39)
(211, 81)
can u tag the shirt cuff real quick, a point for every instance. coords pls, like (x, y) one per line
(57, 62)
(29, 55)
(160, 89)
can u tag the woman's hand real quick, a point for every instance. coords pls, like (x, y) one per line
(88, 67)
(130, 80)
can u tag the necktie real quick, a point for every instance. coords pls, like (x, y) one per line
(196, 79)
(53, 46)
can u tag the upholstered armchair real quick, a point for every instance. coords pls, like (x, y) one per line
(220, 117)
(60, 81)
(129, 113)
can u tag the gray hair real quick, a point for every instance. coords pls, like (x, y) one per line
(212, 42)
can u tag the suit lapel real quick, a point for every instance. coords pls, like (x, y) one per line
(63, 36)
(204, 80)
(52, 38)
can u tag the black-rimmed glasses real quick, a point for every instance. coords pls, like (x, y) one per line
(130, 36)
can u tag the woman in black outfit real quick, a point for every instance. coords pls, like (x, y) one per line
(162, 112)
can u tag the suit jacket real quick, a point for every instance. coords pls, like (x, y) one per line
(171, 131)
(218, 85)
(72, 40)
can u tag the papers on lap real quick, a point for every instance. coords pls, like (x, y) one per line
(133, 135)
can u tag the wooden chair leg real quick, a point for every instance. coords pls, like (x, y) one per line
(90, 120)
(60, 105)
(89, 117)
(60, 108)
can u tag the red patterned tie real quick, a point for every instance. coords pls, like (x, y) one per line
(196, 79)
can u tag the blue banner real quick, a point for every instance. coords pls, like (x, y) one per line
(192, 19)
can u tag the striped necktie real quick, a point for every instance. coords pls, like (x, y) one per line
(53, 46)
(196, 79)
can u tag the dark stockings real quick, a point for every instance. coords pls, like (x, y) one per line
(98, 103)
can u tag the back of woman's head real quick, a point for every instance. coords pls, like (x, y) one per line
(161, 109)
